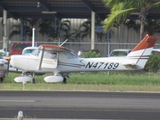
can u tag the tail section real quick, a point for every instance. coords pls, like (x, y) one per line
(144, 48)
(140, 54)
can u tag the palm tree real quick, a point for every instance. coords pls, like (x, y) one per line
(28, 25)
(65, 28)
(121, 9)
(150, 26)
(85, 29)
(52, 30)
(48, 27)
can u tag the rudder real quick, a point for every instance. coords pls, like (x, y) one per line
(144, 47)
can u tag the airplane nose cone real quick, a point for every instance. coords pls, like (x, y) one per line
(19, 61)
(12, 61)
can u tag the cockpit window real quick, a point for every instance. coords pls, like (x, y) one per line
(49, 55)
(71, 55)
(36, 52)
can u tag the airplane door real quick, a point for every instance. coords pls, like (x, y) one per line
(50, 60)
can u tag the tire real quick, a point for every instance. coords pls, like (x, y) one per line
(33, 80)
(65, 80)
(1, 79)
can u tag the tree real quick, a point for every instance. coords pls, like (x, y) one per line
(150, 27)
(49, 28)
(65, 28)
(28, 25)
(53, 28)
(85, 29)
(121, 9)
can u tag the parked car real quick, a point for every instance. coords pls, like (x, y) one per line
(155, 51)
(17, 47)
(120, 52)
(2, 54)
(125, 52)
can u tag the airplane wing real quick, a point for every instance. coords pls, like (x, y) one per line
(54, 48)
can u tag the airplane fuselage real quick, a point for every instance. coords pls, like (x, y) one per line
(3, 67)
(59, 60)
(67, 64)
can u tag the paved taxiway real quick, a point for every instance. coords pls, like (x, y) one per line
(80, 105)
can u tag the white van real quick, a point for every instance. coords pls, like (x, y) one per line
(120, 52)
(156, 51)
(125, 52)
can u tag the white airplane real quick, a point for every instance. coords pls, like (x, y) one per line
(3, 65)
(3, 69)
(62, 61)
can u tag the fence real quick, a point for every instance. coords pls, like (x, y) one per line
(104, 47)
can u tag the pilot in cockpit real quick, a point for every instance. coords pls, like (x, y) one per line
(53, 55)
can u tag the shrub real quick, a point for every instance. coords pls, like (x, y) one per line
(91, 54)
(153, 63)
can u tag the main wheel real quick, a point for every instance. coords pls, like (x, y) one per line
(33, 80)
(1, 79)
(65, 80)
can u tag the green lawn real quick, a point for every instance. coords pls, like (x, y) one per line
(101, 81)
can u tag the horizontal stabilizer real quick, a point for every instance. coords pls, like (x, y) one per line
(132, 65)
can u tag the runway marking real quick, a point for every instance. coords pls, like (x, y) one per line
(30, 101)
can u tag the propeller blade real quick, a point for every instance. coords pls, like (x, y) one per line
(8, 59)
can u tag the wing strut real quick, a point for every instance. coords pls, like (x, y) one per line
(41, 58)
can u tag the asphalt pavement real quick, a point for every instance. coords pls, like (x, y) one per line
(66, 105)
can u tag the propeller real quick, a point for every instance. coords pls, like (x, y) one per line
(8, 59)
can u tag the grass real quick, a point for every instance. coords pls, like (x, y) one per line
(99, 81)
(78, 87)
(116, 78)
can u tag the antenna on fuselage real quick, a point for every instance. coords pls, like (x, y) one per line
(64, 42)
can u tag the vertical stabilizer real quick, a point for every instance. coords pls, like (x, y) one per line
(144, 48)
(140, 54)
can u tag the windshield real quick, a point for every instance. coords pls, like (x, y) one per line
(28, 51)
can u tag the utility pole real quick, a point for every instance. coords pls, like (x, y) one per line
(4, 29)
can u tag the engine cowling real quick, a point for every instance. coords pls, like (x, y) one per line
(53, 79)
(23, 79)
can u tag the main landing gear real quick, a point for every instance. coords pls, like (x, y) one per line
(33, 78)
(32, 75)
(65, 76)
(1, 79)
(65, 80)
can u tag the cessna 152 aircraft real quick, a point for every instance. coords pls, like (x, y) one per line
(3, 68)
(62, 61)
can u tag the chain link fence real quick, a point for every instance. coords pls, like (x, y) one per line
(104, 47)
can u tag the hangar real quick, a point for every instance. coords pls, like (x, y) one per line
(51, 8)
(54, 9)
(60, 9)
